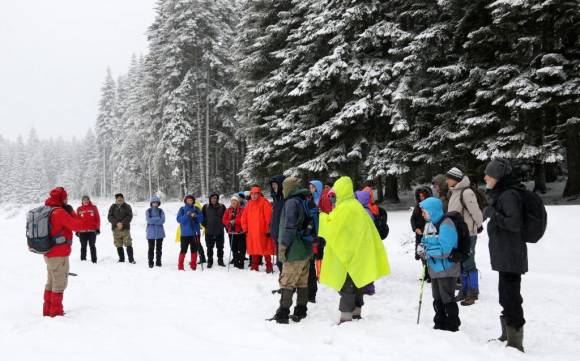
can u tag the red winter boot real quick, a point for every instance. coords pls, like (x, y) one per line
(56, 308)
(193, 263)
(46, 306)
(255, 266)
(269, 266)
(180, 266)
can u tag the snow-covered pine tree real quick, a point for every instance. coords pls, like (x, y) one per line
(105, 130)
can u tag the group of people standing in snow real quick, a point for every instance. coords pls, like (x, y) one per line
(325, 233)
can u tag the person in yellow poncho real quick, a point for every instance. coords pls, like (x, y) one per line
(355, 255)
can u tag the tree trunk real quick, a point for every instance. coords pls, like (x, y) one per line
(392, 189)
(207, 130)
(380, 189)
(540, 178)
(573, 160)
(200, 144)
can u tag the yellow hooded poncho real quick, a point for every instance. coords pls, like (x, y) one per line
(353, 244)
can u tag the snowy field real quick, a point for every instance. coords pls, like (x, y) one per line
(130, 312)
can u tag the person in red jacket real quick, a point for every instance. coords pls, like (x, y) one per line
(232, 220)
(256, 224)
(63, 222)
(89, 215)
(324, 204)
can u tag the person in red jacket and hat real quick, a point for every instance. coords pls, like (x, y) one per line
(89, 214)
(63, 222)
(256, 224)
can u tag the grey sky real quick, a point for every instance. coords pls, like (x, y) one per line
(53, 59)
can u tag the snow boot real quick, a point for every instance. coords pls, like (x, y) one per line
(180, 266)
(357, 313)
(193, 263)
(46, 305)
(452, 310)
(464, 287)
(210, 263)
(282, 316)
(221, 262)
(158, 263)
(440, 318)
(269, 265)
(121, 253)
(255, 264)
(515, 337)
(503, 336)
(300, 313)
(345, 317)
(56, 308)
(470, 299)
(472, 290)
(130, 255)
(151, 264)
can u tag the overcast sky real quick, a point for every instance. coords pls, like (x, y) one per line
(53, 59)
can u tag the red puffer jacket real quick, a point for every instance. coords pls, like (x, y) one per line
(90, 218)
(61, 223)
(229, 216)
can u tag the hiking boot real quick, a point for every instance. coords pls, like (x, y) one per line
(121, 253)
(460, 296)
(210, 263)
(282, 316)
(345, 317)
(356, 314)
(300, 313)
(515, 337)
(503, 336)
(221, 262)
(130, 255)
(470, 299)
(158, 263)
(151, 264)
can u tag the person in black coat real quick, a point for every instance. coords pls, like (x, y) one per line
(213, 213)
(418, 222)
(507, 248)
(277, 192)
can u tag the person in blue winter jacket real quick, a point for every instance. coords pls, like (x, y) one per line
(439, 239)
(155, 218)
(190, 219)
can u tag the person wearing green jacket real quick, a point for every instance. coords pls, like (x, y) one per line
(355, 255)
(294, 251)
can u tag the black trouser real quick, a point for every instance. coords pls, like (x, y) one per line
(155, 245)
(238, 247)
(510, 298)
(90, 238)
(350, 296)
(446, 310)
(217, 241)
(312, 281)
(190, 242)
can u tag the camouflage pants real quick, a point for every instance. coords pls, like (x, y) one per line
(57, 269)
(295, 274)
(122, 238)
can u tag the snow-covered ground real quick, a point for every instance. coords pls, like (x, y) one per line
(130, 312)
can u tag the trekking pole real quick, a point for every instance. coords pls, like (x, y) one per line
(198, 239)
(230, 236)
(421, 292)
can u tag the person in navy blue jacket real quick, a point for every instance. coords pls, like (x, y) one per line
(439, 239)
(155, 218)
(190, 219)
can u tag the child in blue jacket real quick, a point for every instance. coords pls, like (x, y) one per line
(190, 219)
(155, 218)
(439, 239)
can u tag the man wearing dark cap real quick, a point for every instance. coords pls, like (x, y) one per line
(120, 217)
(507, 248)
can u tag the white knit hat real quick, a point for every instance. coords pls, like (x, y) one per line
(235, 198)
(455, 174)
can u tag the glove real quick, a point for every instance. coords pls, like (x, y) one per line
(98, 231)
(421, 251)
(488, 212)
(282, 253)
(480, 229)
(417, 257)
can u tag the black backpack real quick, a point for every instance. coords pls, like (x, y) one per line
(461, 252)
(535, 217)
(381, 223)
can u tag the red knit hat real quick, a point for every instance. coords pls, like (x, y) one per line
(58, 196)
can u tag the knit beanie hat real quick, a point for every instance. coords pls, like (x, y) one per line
(498, 168)
(455, 174)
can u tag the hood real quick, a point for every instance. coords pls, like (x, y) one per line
(440, 180)
(280, 180)
(364, 198)
(57, 197)
(256, 190)
(465, 183)
(318, 185)
(291, 186)
(499, 168)
(423, 189)
(213, 195)
(433, 206)
(154, 199)
(187, 197)
(344, 190)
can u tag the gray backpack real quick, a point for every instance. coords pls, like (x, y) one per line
(38, 230)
